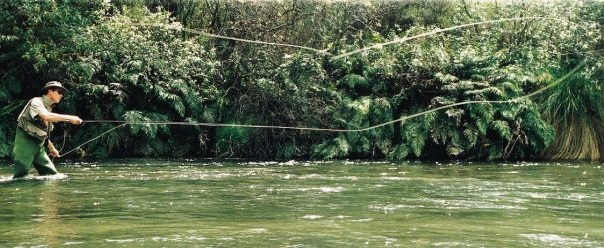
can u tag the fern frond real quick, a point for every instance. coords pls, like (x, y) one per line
(417, 145)
(446, 78)
(335, 148)
(471, 136)
(502, 129)
(173, 100)
(455, 114)
(145, 129)
(482, 125)
(399, 152)
(453, 150)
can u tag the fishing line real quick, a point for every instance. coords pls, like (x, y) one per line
(324, 51)
(93, 139)
(573, 71)
(214, 125)
(400, 40)
(123, 122)
(168, 26)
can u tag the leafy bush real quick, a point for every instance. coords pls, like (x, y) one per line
(119, 69)
(146, 74)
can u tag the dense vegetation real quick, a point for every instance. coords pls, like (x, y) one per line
(119, 69)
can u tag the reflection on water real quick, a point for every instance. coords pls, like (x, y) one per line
(49, 227)
(161, 203)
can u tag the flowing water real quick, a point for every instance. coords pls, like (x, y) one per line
(190, 203)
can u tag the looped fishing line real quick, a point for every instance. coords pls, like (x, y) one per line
(401, 40)
(123, 123)
(93, 139)
(168, 26)
(324, 51)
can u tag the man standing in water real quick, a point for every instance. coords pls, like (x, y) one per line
(34, 125)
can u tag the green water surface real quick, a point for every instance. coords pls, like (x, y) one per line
(190, 203)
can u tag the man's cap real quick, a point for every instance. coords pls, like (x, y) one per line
(51, 85)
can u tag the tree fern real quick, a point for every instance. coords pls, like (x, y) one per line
(441, 131)
(482, 115)
(471, 136)
(416, 144)
(495, 152)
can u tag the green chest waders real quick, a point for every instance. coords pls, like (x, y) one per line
(30, 151)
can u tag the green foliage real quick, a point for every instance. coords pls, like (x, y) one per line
(414, 136)
(146, 74)
(36, 38)
(357, 115)
(119, 71)
(6, 142)
(335, 148)
(576, 109)
(230, 140)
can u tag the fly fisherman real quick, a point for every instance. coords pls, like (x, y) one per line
(34, 125)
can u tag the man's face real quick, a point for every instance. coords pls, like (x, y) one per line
(55, 95)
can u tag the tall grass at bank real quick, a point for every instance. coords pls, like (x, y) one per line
(575, 108)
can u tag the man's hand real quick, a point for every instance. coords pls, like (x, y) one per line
(75, 120)
(54, 152)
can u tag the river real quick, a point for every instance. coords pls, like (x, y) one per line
(213, 203)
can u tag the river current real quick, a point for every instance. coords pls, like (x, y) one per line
(213, 203)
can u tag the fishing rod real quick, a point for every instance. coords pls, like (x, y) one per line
(217, 125)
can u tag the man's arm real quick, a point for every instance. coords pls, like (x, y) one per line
(52, 150)
(53, 117)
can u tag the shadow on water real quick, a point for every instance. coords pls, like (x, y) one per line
(158, 203)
